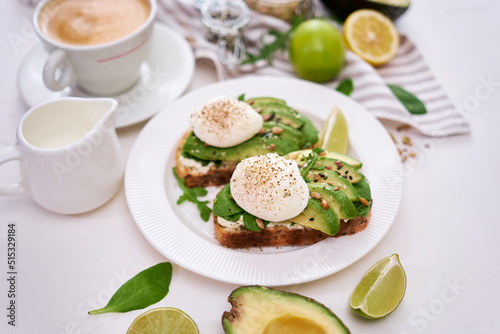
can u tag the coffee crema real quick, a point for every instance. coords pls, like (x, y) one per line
(92, 22)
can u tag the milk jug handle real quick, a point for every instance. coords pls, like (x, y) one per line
(14, 189)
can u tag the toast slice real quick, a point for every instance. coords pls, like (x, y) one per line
(197, 175)
(235, 235)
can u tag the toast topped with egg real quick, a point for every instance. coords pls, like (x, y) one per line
(298, 199)
(227, 130)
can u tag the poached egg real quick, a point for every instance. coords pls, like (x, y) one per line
(269, 187)
(225, 122)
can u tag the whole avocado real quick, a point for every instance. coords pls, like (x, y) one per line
(391, 8)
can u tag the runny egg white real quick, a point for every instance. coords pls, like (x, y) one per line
(225, 122)
(269, 187)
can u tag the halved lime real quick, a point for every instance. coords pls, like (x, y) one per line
(334, 135)
(163, 320)
(381, 289)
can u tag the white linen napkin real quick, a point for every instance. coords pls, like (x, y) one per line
(408, 70)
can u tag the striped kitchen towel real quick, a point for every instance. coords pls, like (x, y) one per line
(408, 70)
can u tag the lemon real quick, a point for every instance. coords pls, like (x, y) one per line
(334, 135)
(163, 320)
(381, 289)
(371, 35)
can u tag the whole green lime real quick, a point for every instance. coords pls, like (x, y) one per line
(316, 50)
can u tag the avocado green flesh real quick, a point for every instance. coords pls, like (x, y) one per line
(349, 172)
(315, 217)
(289, 140)
(261, 310)
(308, 129)
(299, 156)
(264, 99)
(337, 200)
(286, 118)
(335, 180)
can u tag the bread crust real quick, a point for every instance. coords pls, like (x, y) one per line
(282, 235)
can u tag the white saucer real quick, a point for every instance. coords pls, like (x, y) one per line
(164, 77)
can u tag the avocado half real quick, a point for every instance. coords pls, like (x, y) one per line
(260, 310)
(392, 8)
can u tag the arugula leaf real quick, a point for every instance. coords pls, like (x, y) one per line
(146, 288)
(311, 160)
(345, 87)
(279, 43)
(410, 101)
(192, 194)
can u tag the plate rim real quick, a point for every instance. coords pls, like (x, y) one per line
(134, 187)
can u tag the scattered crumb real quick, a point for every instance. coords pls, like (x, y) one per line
(403, 127)
(412, 154)
(403, 158)
(407, 141)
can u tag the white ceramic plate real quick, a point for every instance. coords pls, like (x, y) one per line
(178, 232)
(164, 76)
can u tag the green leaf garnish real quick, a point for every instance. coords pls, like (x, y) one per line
(146, 288)
(241, 97)
(410, 101)
(191, 195)
(310, 161)
(279, 43)
(345, 87)
(250, 222)
(225, 206)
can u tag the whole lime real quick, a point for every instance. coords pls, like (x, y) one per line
(316, 50)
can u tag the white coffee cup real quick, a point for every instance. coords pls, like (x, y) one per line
(71, 160)
(100, 70)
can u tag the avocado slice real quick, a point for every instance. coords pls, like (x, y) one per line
(334, 179)
(260, 310)
(349, 172)
(283, 117)
(299, 156)
(308, 129)
(315, 217)
(337, 200)
(264, 99)
(289, 140)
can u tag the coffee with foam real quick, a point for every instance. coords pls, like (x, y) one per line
(92, 22)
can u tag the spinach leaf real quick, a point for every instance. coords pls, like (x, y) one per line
(361, 209)
(224, 205)
(410, 101)
(192, 194)
(144, 289)
(250, 223)
(346, 86)
(363, 189)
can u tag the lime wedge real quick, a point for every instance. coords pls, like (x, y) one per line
(334, 135)
(381, 289)
(163, 320)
